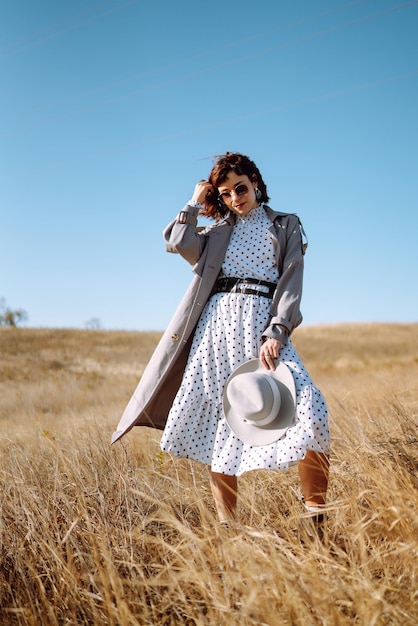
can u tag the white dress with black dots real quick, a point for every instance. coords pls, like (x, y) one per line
(229, 333)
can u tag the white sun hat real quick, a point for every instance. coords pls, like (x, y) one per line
(259, 404)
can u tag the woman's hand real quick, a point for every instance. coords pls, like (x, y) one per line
(269, 351)
(201, 191)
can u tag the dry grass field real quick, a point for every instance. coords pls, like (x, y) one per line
(124, 535)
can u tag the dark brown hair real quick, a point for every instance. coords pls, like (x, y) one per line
(226, 163)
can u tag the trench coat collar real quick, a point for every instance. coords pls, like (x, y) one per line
(231, 218)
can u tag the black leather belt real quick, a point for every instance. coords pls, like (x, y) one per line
(245, 285)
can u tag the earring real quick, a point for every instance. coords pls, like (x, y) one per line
(258, 194)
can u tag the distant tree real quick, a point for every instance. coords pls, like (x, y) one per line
(93, 324)
(10, 317)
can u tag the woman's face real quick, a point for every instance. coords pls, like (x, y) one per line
(238, 193)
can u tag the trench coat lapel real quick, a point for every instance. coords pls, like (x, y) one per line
(218, 238)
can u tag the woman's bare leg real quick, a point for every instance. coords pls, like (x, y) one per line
(224, 491)
(313, 472)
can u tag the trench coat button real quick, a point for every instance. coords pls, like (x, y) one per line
(174, 337)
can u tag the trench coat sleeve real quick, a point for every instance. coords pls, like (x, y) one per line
(183, 238)
(285, 313)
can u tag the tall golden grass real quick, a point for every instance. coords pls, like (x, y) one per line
(93, 534)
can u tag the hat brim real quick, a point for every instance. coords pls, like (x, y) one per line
(275, 430)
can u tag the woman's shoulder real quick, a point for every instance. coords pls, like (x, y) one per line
(281, 216)
(212, 227)
(288, 222)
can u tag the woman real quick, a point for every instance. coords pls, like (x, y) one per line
(219, 325)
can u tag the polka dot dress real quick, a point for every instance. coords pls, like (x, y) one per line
(229, 333)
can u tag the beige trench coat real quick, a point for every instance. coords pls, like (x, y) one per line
(205, 250)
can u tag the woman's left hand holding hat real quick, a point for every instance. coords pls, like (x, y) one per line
(270, 351)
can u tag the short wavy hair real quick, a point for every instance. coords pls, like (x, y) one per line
(226, 163)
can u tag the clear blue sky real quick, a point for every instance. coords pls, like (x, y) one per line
(111, 111)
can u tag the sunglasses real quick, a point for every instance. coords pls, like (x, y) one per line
(239, 190)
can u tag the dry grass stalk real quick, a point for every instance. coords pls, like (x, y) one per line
(126, 535)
